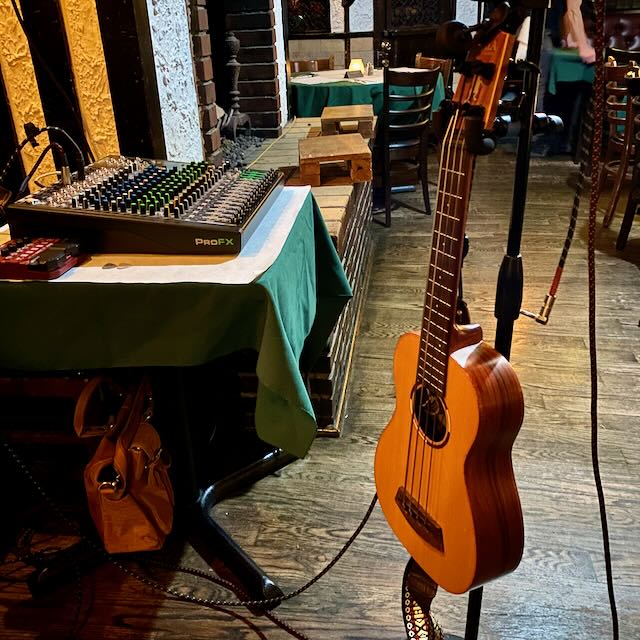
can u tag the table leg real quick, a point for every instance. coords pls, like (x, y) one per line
(213, 542)
(207, 536)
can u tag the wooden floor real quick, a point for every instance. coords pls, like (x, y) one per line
(293, 523)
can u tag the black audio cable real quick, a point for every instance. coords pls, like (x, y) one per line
(32, 132)
(64, 166)
(35, 51)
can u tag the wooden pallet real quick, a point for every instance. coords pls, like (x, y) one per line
(337, 120)
(350, 150)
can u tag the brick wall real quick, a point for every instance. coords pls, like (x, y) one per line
(252, 22)
(204, 79)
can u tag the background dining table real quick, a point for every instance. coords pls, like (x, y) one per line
(312, 92)
(565, 65)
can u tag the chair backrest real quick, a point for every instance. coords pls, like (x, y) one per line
(619, 109)
(320, 64)
(408, 95)
(623, 56)
(325, 64)
(445, 65)
(301, 66)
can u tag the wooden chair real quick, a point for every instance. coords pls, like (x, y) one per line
(302, 66)
(445, 65)
(633, 203)
(325, 64)
(405, 128)
(622, 56)
(619, 148)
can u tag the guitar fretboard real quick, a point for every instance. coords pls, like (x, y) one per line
(454, 186)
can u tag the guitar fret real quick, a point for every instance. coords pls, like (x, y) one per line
(433, 326)
(451, 171)
(425, 352)
(442, 213)
(440, 233)
(438, 365)
(433, 346)
(439, 314)
(444, 253)
(427, 373)
(441, 300)
(443, 270)
(438, 284)
(452, 195)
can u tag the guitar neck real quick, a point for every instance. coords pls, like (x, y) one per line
(454, 187)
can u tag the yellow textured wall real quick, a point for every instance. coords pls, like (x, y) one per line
(21, 86)
(90, 75)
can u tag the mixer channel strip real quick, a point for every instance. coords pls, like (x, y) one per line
(147, 206)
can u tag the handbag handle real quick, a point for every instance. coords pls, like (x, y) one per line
(116, 423)
(80, 413)
(134, 406)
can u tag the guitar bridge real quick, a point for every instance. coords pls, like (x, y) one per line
(421, 522)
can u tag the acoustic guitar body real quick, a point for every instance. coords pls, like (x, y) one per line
(451, 499)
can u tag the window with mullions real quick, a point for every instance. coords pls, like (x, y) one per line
(309, 16)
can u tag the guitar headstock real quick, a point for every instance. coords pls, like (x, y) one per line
(483, 75)
(482, 61)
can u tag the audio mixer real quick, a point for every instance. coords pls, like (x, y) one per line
(133, 205)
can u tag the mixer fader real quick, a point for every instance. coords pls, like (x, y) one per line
(151, 206)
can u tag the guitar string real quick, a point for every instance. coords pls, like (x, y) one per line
(443, 190)
(450, 225)
(409, 482)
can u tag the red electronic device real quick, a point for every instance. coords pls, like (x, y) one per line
(37, 258)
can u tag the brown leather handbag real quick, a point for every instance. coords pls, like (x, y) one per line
(127, 481)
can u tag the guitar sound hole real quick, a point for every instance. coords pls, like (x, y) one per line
(430, 415)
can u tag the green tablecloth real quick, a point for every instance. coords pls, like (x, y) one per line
(566, 65)
(59, 326)
(310, 99)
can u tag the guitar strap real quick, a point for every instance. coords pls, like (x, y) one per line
(418, 591)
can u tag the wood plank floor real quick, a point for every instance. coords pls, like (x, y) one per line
(295, 521)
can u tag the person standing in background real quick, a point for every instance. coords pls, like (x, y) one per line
(575, 34)
(564, 29)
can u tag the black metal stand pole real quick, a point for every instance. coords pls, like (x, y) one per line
(510, 276)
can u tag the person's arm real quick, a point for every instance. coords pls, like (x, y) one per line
(576, 36)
